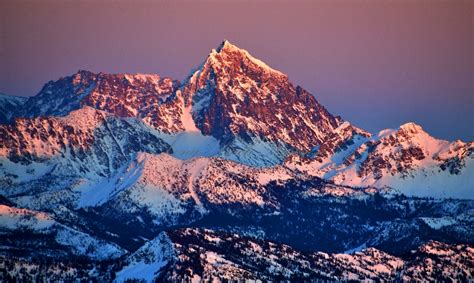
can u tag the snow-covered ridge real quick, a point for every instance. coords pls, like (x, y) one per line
(148, 260)
(124, 95)
(407, 159)
(231, 95)
(165, 180)
(122, 157)
(17, 218)
(218, 255)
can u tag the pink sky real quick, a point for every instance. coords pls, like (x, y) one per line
(375, 63)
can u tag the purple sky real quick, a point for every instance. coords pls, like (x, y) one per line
(376, 63)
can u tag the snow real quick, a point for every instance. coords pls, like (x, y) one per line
(17, 218)
(142, 78)
(187, 145)
(412, 127)
(438, 223)
(433, 182)
(14, 100)
(266, 175)
(212, 239)
(187, 119)
(83, 244)
(368, 263)
(424, 178)
(140, 270)
(195, 171)
(216, 259)
(226, 46)
(86, 118)
(167, 184)
(147, 261)
(356, 249)
(256, 153)
(200, 101)
(159, 201)
(196, 279)
(94, 193)
(25, 173)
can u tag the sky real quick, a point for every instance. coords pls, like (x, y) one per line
(377, 64)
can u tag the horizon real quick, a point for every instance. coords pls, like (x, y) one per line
(375, 76)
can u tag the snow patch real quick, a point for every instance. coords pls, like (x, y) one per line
(147, 261)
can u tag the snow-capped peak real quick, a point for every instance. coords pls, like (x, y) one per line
(14, 100)
(9, 105)
(228, 52)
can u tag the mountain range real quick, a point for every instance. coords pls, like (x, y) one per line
(234, 173)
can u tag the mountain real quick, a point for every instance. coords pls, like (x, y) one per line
(124, 95)
(87, 142)
(8, 106)
(201, 255)
(232, 173)
(407, 159)
(236, 97)
(156, 192)
(23, 231)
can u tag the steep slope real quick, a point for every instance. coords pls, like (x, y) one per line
(196, 254)
(408, 160)
(8, 106)
(123, 95)
(239, 107)
(168, 191)
(87, 142)
(143, 96)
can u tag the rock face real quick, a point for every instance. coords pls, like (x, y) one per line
(235, 173)
(124, 95)
(235, 95)
(87, 142)
(203, 255)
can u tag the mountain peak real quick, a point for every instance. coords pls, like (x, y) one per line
(227, 48)
(235, 97)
